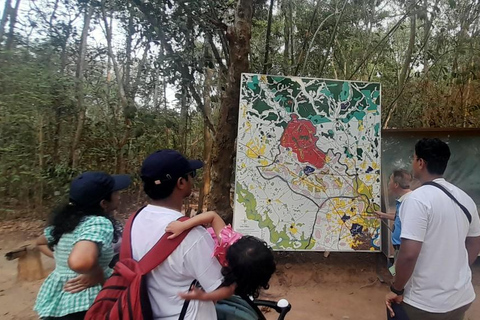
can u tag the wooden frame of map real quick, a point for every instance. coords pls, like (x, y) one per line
(308, 163)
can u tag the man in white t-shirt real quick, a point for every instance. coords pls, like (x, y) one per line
(167, 178)
(433, 277)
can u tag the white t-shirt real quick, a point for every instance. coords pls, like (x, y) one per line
(442, 279)
(192, 259)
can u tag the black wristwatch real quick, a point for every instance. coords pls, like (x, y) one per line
(397, 292)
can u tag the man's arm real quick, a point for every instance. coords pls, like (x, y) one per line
(407, 258)
(473, 248)
(383, 215)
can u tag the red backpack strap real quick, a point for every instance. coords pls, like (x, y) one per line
(126, 246)
(161, 250)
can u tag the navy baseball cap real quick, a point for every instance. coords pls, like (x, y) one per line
(165, 165)
(91, 187)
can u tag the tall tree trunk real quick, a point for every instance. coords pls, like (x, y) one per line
(286, 37)
(183, 120)
(426, 31)
(13, 21)
(267, 40)
(292, 34)
(222, 160)
(406, 65)
(126, 90)
(41, 160)
(207, 136)
(156, 91)
(307, 35)
(332, 39)
(58, 102)
(313, 40)
(74, 155)
(3, 23)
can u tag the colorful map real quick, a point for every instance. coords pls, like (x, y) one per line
(308, 163)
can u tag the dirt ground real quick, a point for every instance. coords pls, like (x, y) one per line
(341, 286)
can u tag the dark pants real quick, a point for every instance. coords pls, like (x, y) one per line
(72, 316)
(417, 314)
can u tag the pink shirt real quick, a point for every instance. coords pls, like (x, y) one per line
(227, 237)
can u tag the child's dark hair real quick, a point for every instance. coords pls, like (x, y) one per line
(250, 266)
(67, 217)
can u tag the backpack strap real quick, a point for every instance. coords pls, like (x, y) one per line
(161, 250)
(126, 246)
(465, 210)
(157, 254)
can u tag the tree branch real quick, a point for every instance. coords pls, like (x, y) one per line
(332, 38)
(313, 39)
(216, 54)
(139, 69)
(304, 46)
(390, 32)
(199, 101)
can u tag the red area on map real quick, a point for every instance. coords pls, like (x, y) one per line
(299, 135)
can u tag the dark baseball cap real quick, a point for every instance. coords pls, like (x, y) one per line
(165, 165)
(91, 187)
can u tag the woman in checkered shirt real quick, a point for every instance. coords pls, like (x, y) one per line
(80, 237)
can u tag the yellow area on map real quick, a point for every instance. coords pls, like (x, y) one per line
(293, 229)
(255, 148)
(360, 126)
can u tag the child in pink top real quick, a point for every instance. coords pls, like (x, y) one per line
(247, 262)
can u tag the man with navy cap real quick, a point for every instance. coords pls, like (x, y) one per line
(167, 179)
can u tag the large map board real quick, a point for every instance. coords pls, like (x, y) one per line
(308, 163)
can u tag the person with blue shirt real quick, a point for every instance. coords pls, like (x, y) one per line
(399, 187)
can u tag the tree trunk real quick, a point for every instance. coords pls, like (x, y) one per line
(156, 91)
(41, 160)
(59, 104)
(13, 21)
(222, 160)
(286, 37)
(406, 65)
(292, 35)
(74, 155)
(3, 23)
(80, 94)
(183, 120)
(267, 40)
(125, 89)
(207, 137)
(426, 30)
(313, 40)
(307, 35)
(332, 39)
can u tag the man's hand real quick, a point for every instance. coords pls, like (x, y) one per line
(84, 281)
(176, 228)
(383, 215)
(380, 214)
(392, 298)
(194, 294)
